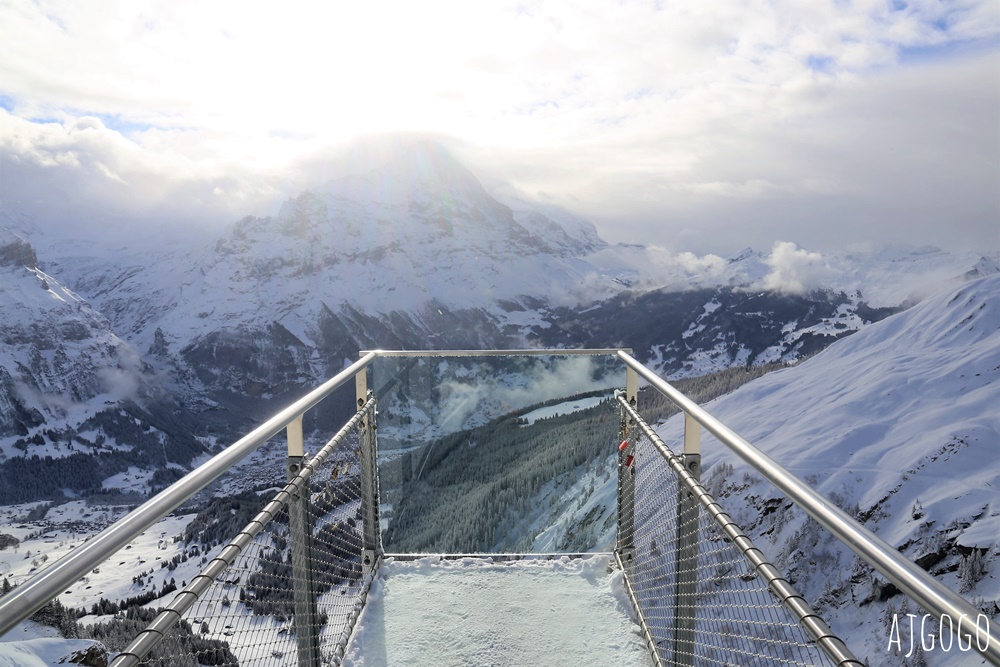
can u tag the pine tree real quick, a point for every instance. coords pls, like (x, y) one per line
(971, 570)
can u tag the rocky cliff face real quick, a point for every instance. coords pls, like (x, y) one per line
(74, 392)
(58, 352)
(413, 253)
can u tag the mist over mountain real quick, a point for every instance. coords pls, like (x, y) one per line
(409, 251)
(58, 351)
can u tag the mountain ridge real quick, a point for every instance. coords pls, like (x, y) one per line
(412, 252)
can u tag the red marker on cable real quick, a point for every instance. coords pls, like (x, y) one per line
(629, 458)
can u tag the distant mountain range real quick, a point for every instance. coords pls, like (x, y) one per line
(119, 356)
(410, 253)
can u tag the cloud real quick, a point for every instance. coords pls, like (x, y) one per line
(86, 178)
(795, 270)
(493, 394)
(703, 128)
(648, 267)
(565, 377)
(902, 153)
(705, 268)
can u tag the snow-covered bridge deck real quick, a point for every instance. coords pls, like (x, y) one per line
(473, 611)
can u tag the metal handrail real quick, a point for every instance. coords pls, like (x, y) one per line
(537, 352)
(28, 598)
(894, 566)
(828, 642)
(144, 642)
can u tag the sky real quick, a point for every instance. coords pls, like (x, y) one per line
(694, 126)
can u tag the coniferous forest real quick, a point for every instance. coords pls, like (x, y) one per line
(475, 490)
(472, 488)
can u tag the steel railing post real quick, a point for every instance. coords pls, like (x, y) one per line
(300, 529)
(372, 530)
(626, 477)
(28, 598)
(686, 556)
(827, 641)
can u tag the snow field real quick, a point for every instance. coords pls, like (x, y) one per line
(40, 652)
(473, 611)
(253, 638)
(898, 420)
(562, 408)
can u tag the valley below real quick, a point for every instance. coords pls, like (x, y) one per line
(124, 367)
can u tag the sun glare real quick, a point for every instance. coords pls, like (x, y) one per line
(308, 70)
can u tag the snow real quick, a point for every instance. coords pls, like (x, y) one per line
(696, 326)
(905, 408)
(579, 511)
(983, 533)
(473, 611)
(899, 416)
(913, 395)
(41, 652)
(562, 408)
(718, 358)
(68, 526)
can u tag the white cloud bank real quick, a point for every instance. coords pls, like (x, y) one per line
(703, 127)
(795, 270)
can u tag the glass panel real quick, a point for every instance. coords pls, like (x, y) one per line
(484, 454)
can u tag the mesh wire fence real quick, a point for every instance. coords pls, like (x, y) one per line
(248, 614)
(702, 600)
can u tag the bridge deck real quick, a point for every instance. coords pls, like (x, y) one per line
(475, 612)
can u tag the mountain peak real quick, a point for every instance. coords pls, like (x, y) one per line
(15, 251)
(417, 171)
(746, 253)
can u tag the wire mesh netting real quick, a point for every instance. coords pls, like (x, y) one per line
(265, 608)
(288, 587)
(702, 600)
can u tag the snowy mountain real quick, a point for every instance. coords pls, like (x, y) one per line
(58, 353)
(77, 403)
(411, 251)
(896, 424)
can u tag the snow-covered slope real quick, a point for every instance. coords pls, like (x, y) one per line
(902, 414)
(897, 424)
(49, 651)
(58, 354)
